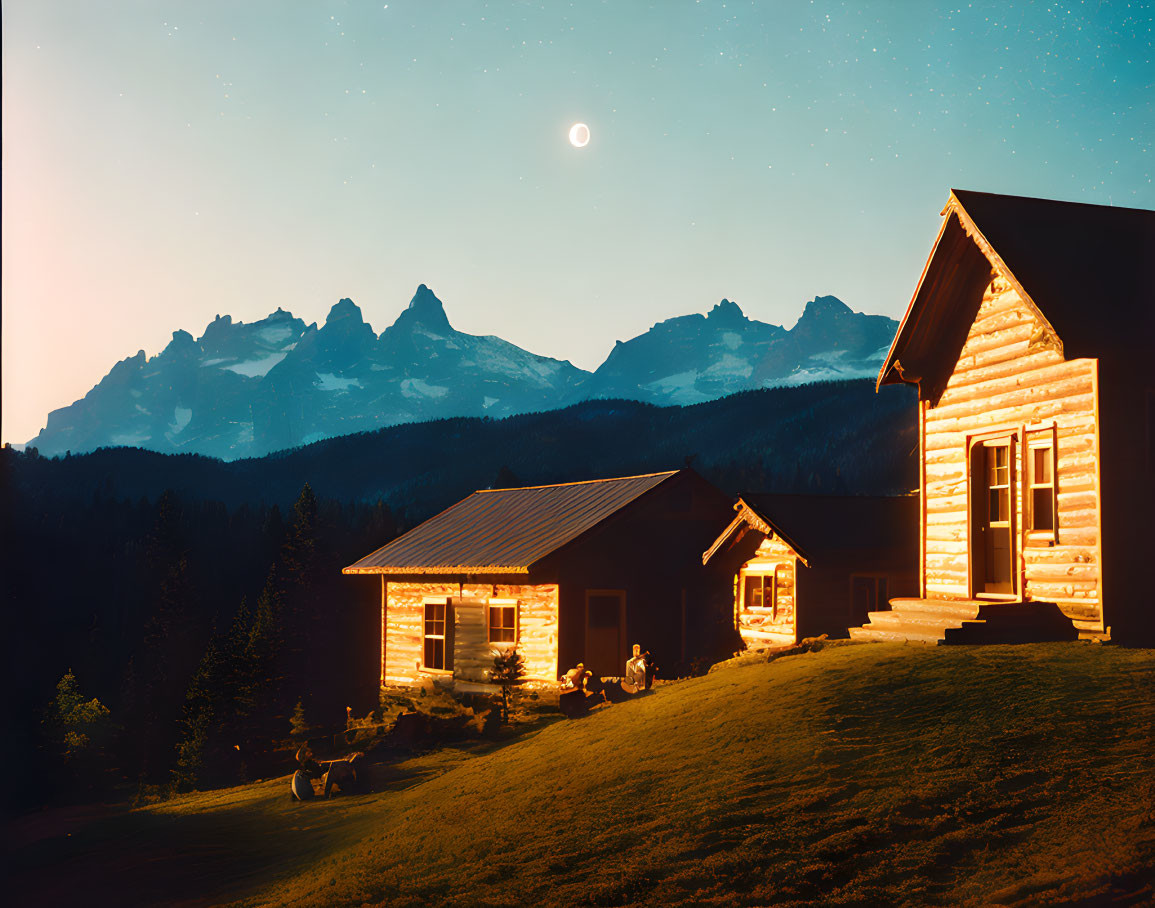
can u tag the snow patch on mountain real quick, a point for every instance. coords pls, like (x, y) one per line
(275, 334)
(729, 366)
(679, 388)
(131, 439)
(278, 382)
(181, 417)
(327, 381)
(257, 368)
(415, 387)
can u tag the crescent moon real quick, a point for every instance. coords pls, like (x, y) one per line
(579, 135)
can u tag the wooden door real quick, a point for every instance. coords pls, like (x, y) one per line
(605, 632)
(992, 535)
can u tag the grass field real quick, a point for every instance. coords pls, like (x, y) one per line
(876, 774)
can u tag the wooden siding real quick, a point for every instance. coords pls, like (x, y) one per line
(767, 626)
(537, 629)
(1011, 376)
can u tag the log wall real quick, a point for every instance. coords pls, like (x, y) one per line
(404, 635)
(763, 626)
(1011, 375)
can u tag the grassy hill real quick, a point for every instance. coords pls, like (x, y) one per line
(875, 774)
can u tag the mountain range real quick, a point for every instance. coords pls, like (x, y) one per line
(245, 390)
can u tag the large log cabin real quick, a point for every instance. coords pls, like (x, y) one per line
(822, 563)
(1031, 340)
(567, 573)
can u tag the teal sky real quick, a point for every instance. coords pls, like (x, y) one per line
(165, 162)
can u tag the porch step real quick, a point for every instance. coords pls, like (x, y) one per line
(868, 634)
(914, 620)
(948, 608)
(952, 622)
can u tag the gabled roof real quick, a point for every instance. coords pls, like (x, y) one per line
(815, 526)
(1086, 269)
(506, 531)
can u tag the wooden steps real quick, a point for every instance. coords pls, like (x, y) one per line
(966, 621)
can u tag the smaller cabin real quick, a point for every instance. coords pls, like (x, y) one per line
(569, 573)
(821, 563)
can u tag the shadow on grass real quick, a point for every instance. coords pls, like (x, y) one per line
(193, 850)
(145, 857)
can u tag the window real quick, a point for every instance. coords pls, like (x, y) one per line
(762, 591)
(438, 636)
(1042, 480)
(1040, 501)
(502, 622)
(999, 484)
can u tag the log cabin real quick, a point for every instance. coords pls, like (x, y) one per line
(821, 563)
(1031, 340)
(568, 573)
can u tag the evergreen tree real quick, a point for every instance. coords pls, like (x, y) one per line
(299, 550)
(508, 671)
(263, 686)
(202, 704)
(298, 725)
(165, 656)
(79, 732)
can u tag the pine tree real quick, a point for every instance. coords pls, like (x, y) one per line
(164, 662)
(78, 733)
(203, 705)
(297, 554)
(508, 671)
(263, 688)
(298, 725)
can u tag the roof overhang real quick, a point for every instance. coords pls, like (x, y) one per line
(759, 522)
(446, 570)
(950, 290)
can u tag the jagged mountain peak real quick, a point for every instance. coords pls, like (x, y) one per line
(426, 310)
(825, 307)
(344, 310)
(181, 342)
(726, 311)
(247, 389)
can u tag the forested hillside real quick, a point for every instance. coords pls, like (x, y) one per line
(200, 601)
(822, 438)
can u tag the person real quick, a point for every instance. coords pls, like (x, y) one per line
(575, 678)
(307, 762)
(344, 775)
(636, 669)
(575, 699)
(307, 769)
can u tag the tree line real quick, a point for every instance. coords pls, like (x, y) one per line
(199, 603)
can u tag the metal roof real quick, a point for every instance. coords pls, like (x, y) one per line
(505, 531)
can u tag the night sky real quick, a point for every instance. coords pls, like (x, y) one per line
(165, 162)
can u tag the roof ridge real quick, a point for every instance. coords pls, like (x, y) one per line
(579, 482)
(1032, 198)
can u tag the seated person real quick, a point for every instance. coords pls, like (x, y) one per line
(575, 698)
(575, 678)
(307, 762)
(636, 669)
(343, 775)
